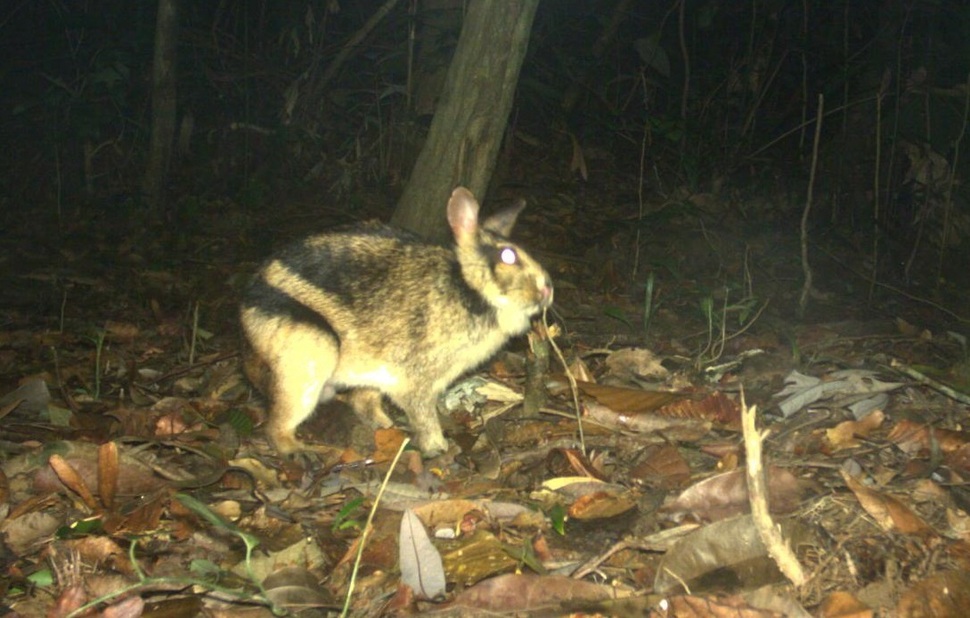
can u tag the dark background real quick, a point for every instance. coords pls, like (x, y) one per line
(268, 148)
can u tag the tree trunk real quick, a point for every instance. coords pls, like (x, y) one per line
(163, 104)
(468, 125)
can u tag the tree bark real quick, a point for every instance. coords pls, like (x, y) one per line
(164, 106)
(468, 125)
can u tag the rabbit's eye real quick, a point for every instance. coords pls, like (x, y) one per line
(508, 256)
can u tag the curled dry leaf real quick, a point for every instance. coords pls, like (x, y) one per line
(944, 595)
(887, 511)
(629, 363)
(732, 547)
(959, 460)
(913, 438)
(143, 519)
(70, 599)
(590, 498)
(628, 400)
(717, 407)
(580, 370)
(802, 390)
(444, 513)
(129, 607)
(660, 466)
(726, 495)
(101, 550)
(727, 551)
(108, 473)
(72, 480)
(451, 513)
(601, 505)
(674, 429)
(846, 435)
(530, 593)
(24, 530)
(844, 604)
(295, 588)
(31, 398)
(569, 461)
(134, 477)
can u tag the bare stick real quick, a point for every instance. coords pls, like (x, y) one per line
(685, 54)
(369, 526)
(806, 268)
(643, 157)
(804, 55)
(925, 380)
(352, 46)
(948, 199)
(769, 532)
(573, 387)
(195, 333)
(875, 199)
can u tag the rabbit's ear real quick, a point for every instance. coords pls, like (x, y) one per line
(502, 222)
(463, 213)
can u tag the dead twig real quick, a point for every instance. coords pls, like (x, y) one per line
(573, 387)
(948, 198)
(806, 268)
(769, 532)
(925, 380)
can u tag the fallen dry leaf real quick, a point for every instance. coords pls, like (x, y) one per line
(887, 511)
(844, 605)
(730, 550)
(420, 561)
(717, 407)
(847, 384)
(526, 592)
(600, 505)
(629, 363)
(913, 438)
(687, 606)
(725, 495)
(134, 477)
(846, 434)
(570, 461)
(673, 428)
(471, 559)
(108, 473)
(628, 400)
(101, 550)
(72, 480)
(660, 466)
(944, 595)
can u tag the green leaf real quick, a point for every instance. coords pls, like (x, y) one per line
(343, 520)
(617, 314)
(241, 422)
(557, 515)
(43, 578)
(83, 527)
(203, 511)
(205, 568)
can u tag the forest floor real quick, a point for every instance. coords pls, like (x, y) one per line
(137, 478)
